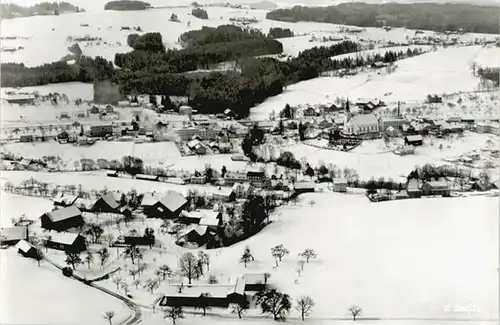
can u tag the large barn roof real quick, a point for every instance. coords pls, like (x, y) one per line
(112, 199)
(173, 201)
(66, 238)
(63, 214)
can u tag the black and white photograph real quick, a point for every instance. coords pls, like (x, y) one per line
(249, 162)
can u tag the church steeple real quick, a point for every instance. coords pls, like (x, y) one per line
(347, 112)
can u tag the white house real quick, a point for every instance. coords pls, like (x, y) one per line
(361, 124)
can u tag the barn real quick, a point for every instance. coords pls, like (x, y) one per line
(255, 281)
(66, 241)
(213, 295)
(109, 203)
(62, 219)
(12, 235)
(414, 140)
(339, 185)
(169, 207)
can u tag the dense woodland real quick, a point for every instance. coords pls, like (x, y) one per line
(277, 32)
(199, 13)
(126, 5)
(9, 10)
(151, 69)
(427, 16)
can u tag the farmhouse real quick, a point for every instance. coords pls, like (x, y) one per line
(224, 194)
(26, 138)
(213, 295)
(361, 124)
(396, 122)
(339, 185)
(26, 249)
(414, 140)
(64, 200)
(203, 217)
(66, 241)
(255, 281)
(12, 235)
(135, 240)
(169, 207)
(436, 188)
(109, 203)
(232, 178)
(256, 175)
(143, 177)
(62, 219)
(197, 147)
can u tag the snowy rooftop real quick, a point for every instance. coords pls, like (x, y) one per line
(254, 278)
(24, 246)
(196, 290)
(363, 119)
(63, 213)
(66, 238)
(173, 200)
(14, 233)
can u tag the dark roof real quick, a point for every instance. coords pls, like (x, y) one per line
(63, 214)
(173, 201)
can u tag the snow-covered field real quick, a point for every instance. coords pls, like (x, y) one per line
(489, 57)
(443, 71)
(400, 259)
(42, 295)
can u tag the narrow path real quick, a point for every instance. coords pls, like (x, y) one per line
(136, 314)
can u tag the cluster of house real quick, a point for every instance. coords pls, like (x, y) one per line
(214, 295)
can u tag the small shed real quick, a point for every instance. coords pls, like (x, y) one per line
(26, 249)
(340, 185)
(224, 194)
(414, 140)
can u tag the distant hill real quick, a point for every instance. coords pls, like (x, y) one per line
(9, 10)
(263, 5)
(438, 17)
(124, 5)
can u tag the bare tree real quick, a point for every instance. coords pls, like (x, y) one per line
(133, 252)
(125, 287)
(246, 257)
(308, 254)
(312, 203)
(151, 284)
(355, 311)
(133, 273)
(174, 313)
(204, 303)
(279, 252)
(164, 271)
(136, 283)
(304, 306)
(38, 256)
(240, 308)
(301, 264)
(212, 279)
(109, 316)
(89, 258)
(204, 259)
(117, 280)
(73, 259)
(103, 256)
(188, 266)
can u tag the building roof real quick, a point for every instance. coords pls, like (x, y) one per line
(196, 290)
(438, 184)
(402, 193)
(144, 176)
(239, 287)
(340, 181)
(24, 246)
(304, 185)
(66, 238)
(112, 199)
(64, 198)
(413, 185)
(14, 233)
(254, 278)
(208, 221)
(362, 119)
(412, 138)
(173, 201)
(193, 143)
(199, 229)
(64, 213)
(223, 191)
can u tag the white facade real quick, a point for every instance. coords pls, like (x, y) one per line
(361, 124)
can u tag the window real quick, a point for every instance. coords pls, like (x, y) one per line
(160, 209)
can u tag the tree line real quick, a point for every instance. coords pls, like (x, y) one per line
(10, 10)
(127, 5)
(427, 16)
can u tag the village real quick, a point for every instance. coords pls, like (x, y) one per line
(367, 192)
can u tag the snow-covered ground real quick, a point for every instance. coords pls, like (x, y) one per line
(55, 30)
(399, 259)
(489, 57)
(42, 295)
(443, 71)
